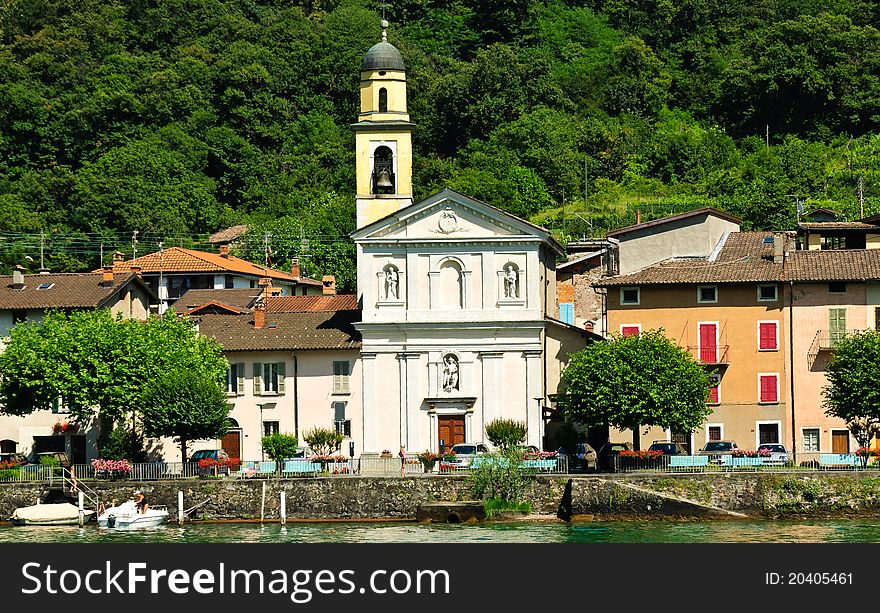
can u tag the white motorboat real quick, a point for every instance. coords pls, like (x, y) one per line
(126, 516)
(58, 514)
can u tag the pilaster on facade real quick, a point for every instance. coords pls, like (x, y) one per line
(370, 413)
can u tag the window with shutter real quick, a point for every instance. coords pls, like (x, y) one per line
(239, 371)
(836, 325)
(258, 378)
(566, 312)
(769, 389)
(341, 377)
(811, 439)
(270, 378)
(767, 337)
(714, 384)
(281, 375)
(342, 425)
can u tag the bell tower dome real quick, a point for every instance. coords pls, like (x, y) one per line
(383, 135)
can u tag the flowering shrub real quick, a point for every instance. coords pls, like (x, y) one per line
(327, 459)
(750, 453)
(386, 452)
(342, 471)
(63, 427)
(8, 465)
(866, 452)
(641, 454)
(540, 455)
(111, 468)
(232, 463)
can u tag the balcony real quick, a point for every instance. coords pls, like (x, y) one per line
(710, 356)
(825, 341)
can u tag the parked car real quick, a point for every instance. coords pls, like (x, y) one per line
(609, 451)
(716, 449)
(778, 453)
(668, 448)
(13, 459)
(584, 458)
(210, 454)
(49, 456)
(464, 453)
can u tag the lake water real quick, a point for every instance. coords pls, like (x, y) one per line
(820, 531)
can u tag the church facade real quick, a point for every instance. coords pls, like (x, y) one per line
(455, 294)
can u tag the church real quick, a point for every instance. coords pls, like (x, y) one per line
(458, 297)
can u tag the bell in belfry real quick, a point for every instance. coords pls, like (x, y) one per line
(383, 181)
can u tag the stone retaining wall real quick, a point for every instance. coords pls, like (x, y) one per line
(602, 496)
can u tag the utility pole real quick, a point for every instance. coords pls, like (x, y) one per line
(42, 240)
(134, 243)
(586, 183)
(563, 215)
(161, 274)
(767, 137)
(102, 255)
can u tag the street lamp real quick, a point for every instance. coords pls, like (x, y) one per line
(351, 456)
(262, 451)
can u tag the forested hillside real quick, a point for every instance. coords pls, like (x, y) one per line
(176, 118)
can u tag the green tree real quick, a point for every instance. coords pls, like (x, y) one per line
(99, 364)
(506, 433)
(851, 393)
(279, 446)
(186, 405)
(323, 441)
(635, 381)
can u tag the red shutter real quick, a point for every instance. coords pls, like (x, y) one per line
(708, 343)
(767, 335)
(713, 394)
(768, 388)
(629, 330)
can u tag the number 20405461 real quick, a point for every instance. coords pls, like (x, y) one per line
(816, 578)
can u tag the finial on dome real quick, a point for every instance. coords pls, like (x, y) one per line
(384, 25)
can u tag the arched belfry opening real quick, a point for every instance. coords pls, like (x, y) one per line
(383, 170)
(383, 100)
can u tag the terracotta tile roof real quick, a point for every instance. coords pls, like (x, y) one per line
(178, 260)
(833, 265)
(67, 291)
(673, 218)
(837, 225)
(744, 258)
(284, 331)
(301, 304)
(228, 235)
(239, 298)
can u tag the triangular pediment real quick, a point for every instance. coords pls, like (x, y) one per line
(450, 215)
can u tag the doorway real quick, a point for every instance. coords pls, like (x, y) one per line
(78, 449)
(840, 441)
(450, 430)
(231, 442)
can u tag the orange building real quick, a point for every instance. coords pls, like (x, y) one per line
(728, 311)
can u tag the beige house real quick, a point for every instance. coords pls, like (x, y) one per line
(293, 366)
(27, 298)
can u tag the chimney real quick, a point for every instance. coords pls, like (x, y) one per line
(778, 247)
(329, 282)
(224, 251)
(638, 217)
(136, 270)
(118, 256)
(18, 277)
(294, 267)
(589, 326)
(107, 276)
(259, 314)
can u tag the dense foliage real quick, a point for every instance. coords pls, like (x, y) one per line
(176, 118)
(323, 441)
(506, 433)
(635, 381)
(121, 371)
(851, 393)
(279, 446)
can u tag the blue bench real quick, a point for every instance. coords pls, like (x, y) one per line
(688, 462)
(839, 460)
(300, 467)
(548, 465)
(733, 462)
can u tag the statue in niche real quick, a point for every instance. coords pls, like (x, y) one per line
(510, 282)
(450, 373)
(391, 280)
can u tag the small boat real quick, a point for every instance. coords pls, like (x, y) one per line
(58, 514)
(126, 516)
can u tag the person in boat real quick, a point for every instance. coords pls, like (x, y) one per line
(140, 501)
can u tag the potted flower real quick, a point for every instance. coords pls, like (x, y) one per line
(63, 427)
(863, 453)
(386, 453)
(428, 460)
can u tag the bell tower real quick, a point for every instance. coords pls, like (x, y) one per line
(383, 135)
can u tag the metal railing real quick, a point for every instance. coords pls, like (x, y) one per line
(710, 355)
(806, 462)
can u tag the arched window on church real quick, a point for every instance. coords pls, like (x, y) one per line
(450, 285)
(383, 100)
(383, 171)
